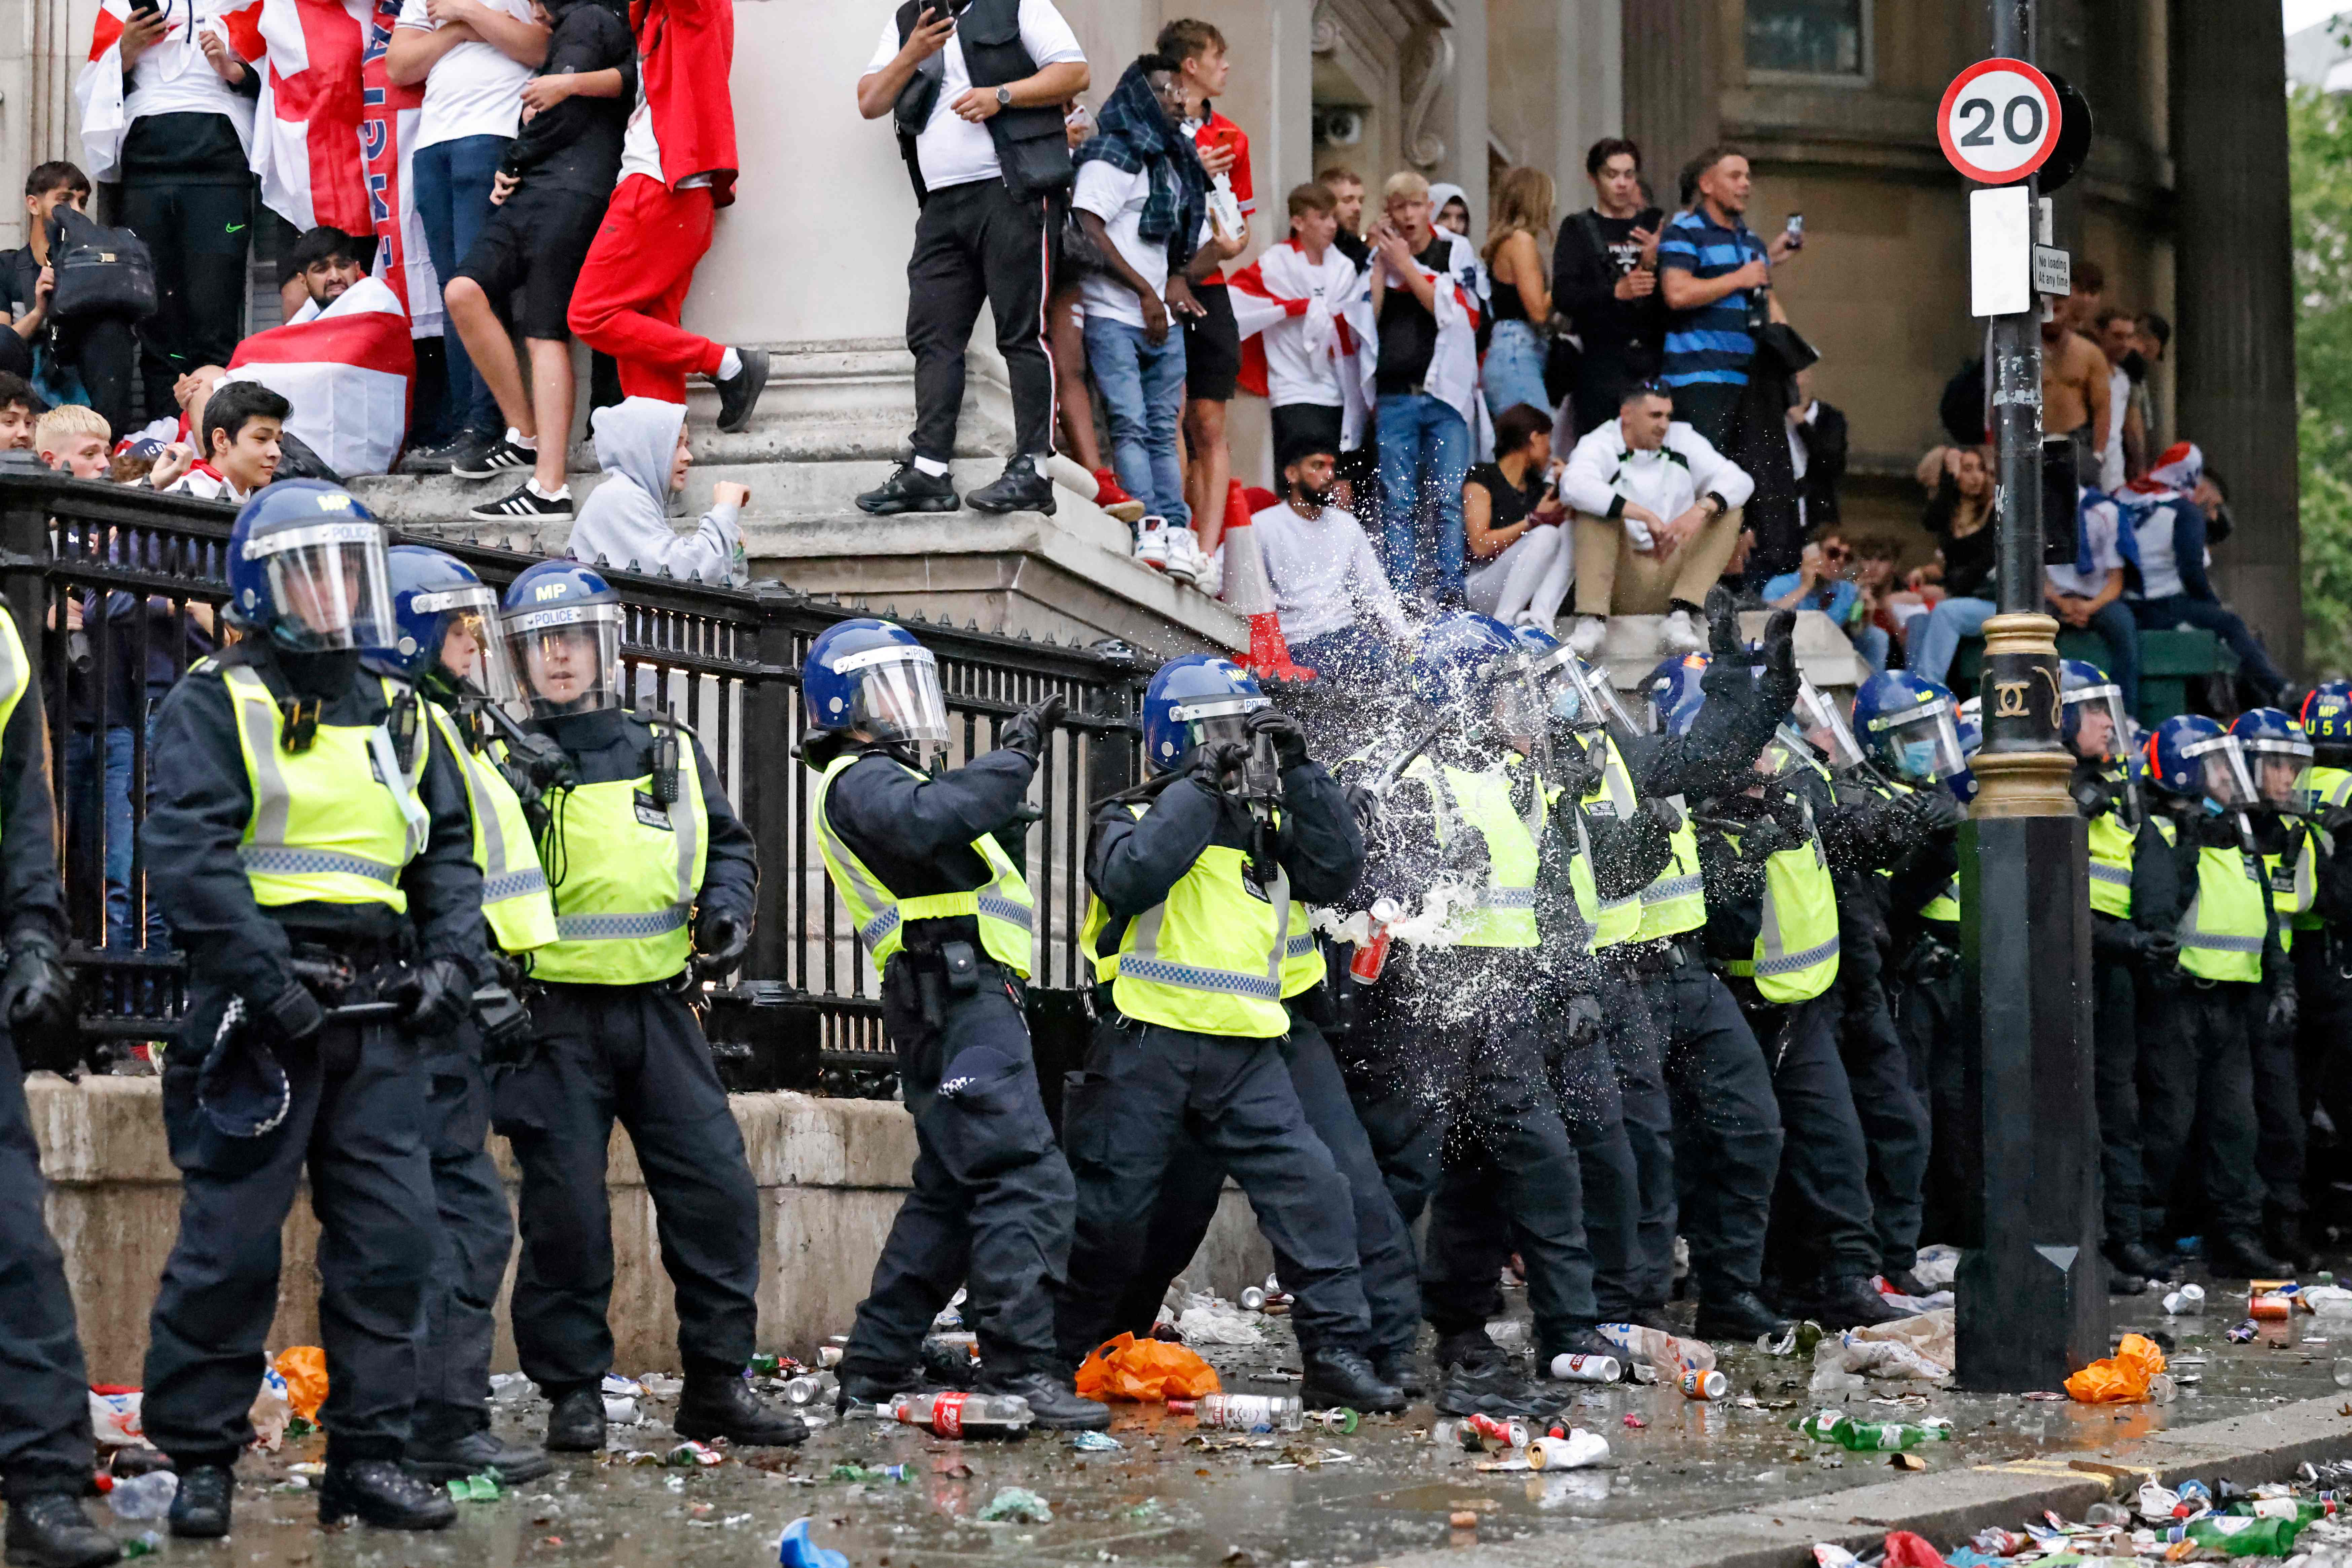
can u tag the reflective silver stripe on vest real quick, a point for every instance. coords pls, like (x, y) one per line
(1789, 963)
(881, 925)
(513, 885)
(1225, 982)
(2214, 944)
(278, 859)
(2117, 876)
(1507, 898)
(1667, 887)
(687, 825)
(273, 803)
(1300, 947)
(1609, 905)
(1004, 909)
(619, 927)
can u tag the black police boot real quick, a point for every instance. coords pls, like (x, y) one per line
(383, 1494)
(576, 1424)
(1401, 1367)
(2138, 1258)
(200, 1508)
(2122, 1283)
(1738, 1315)
(474, 1453)
(1907, 1283)
(2284, 1236)
(738, 394)
(1652, 1317)
(864, 1388)
(909, 489)
(1476, 1377)
(1055, 1406)
(1020, 488)
(1848, 1302)
(2242, 1256)
(50, 1531)
(719, 1405)
(1337, 1375)
(1585, 1342)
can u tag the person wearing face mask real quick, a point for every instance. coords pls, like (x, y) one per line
(309, 845)
(2278, 753)
(2229, 984)
(654, 878)
(928, 865)
(2322, 975)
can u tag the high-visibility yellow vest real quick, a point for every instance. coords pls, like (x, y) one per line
(2111, 865)
(334, 824)
(1675, 900)
(1210, 957)
(2295, 883)
(2321, 788)
(2221, 934)
(1611, 795)
(15, 669)
(1581, 884)
(1481, 803)
(1302, 959)
(1946, 905)
(515, 901)
(1796, 954)
(1002, 906)
(631, 868)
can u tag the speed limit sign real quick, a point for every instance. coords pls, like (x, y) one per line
(1998, 122)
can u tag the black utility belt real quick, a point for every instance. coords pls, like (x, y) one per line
(1657, 956)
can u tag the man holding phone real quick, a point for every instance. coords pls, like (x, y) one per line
(976, 88)
(1716, 277)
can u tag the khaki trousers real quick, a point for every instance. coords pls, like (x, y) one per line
(1614, 578)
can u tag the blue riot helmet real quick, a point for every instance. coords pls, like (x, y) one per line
(2091, 717)
(448, 641)
(306, 570)
(2191, 757)
(1462, 659)
(1963, 784)
(1193, 700)
(873, 676)
(1910, 726)
(2276, 752)
(563, 622)
(1577, 693)
(1674, 695)
(2326, 719)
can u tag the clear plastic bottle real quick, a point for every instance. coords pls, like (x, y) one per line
(147, 1496)
(1251, 1412)
(966, 1415)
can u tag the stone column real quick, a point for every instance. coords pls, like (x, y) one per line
(1670, 86)
(2234, 321)
(1588, 88)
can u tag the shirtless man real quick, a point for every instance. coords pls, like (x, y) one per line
(2074, 381)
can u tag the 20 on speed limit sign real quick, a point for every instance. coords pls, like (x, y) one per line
(1998, 122)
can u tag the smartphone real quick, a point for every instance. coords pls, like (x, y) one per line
(144, 7)
(1796, 231)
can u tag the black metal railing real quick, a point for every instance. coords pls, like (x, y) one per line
(116, 591)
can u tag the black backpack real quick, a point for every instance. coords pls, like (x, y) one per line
(99, 271)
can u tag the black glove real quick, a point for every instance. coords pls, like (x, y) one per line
(1779, 684)
(39, 991)
(1572, 763)
(1219, 757)
(1662, 811)
(719, 940)
(1025, 731)
(1722, 623)
(434, 996)
(1362, 804)
(1289, 738)
(293, 1017)
(2283, 1007)
(1934, 811)
(2159, 950)
(1582, 1020)
(1766, 837)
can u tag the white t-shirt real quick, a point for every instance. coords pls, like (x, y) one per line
(2106, 557)
(641, 148)
(953, 150)
(1325, 575)
(1294, 373)
(472, 91)
(1118, 198)
(2111, 460)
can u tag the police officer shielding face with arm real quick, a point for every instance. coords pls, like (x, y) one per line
(925, 866)
(309, 846)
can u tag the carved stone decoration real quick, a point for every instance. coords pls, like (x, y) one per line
(1423, 147)
(1323, 33)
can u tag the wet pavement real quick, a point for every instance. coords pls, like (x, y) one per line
(1272, 1502)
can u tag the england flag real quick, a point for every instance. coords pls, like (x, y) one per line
(172, 77)
(346, 370)
(305, 147)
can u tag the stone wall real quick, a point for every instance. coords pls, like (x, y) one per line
(831, 1175)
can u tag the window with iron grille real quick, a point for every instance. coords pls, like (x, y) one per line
(1809, 38)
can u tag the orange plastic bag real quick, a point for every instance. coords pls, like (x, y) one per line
(1146, 1371)
(304, 1368)
(2121, 1378)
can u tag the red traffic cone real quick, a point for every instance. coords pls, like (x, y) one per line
(1249, 591)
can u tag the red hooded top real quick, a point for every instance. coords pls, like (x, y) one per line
(685, 50)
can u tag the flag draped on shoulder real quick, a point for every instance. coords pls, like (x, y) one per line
(306, 144)
(1335, 319)
(388, 119)
(172, 77)
(346, 370)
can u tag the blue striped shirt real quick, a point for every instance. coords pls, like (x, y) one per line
(1711, 343)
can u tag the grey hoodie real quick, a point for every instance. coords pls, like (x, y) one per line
(626, 520)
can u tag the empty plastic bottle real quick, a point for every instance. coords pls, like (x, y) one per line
(1872, 1436)
(2245, 1535)
(1251, 1412)
(966, 1415)
(145, 1496)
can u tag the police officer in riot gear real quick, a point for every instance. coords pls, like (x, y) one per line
(2278, 753)
(309, 846)
(939, 904)
(2323, 958)
(2229, 984)
(447, 645)
(44, 1435)
(651, 873)
(1194, 876)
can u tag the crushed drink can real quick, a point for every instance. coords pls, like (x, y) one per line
(2269, 1309)
(1341, 1419)
(690, 1454)
(1587, 1368)
(1513, 1434)
(1251, 1298)
(2187, 1301)
(2242, 1333)
(1704, 1383)
(1577, 1449)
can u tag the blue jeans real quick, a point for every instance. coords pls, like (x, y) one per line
(1354, 653)
(2180, 610)
(1871, 642)
(1513, 370)
(453, 198)
(1143, 385)
(104, 796)
(2117, 628)
(1425, 453)
(1951, 620)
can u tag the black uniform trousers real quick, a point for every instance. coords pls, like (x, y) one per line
(2198, 1079)
(2116, 1050)
(469, 1261)
(198, 236)
(973, 242)
(45, 1442)
(1585, 1084)
(1637, 1052)
(635, 1053)
(1894, 1122)
(992, 1200)
(355, 1126)
(2280, 1124)
(1820, 1205)
(103, 350)
(2324, 1043)
(1196, 1178)
(1925, 996)
(1145, 1087)
(1727, 1122)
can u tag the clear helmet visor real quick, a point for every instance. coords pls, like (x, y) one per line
(1218, 718)
(2278, 767)
(1826, 727)
(1786, 753)
(2100, 731)
(473, 651)
(2221, 772)
(1922, 746)
(894, 696)
(1581, 694)
(330, 585)
(570, 659)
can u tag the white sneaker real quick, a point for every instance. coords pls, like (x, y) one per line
(1590, 632)
(1678, 636)
(1184, 559)
(1152, 543)
(1212, 577)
